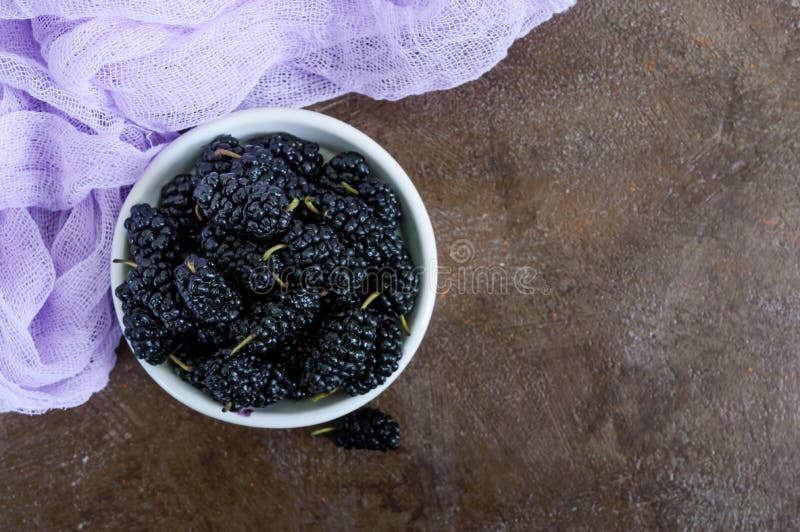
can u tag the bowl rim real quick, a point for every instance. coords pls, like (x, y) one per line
(162, 168)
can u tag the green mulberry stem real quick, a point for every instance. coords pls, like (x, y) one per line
(268, 253)
(349, 188)
(404, 325)
(228, 153)
(278, 280)
(180, 363)
(323, 431)
(292, 206)
(126, 262)
(370, 298)
(272, 250)
(323, 395)
(242, 344)
(197, 212)
(309, 202)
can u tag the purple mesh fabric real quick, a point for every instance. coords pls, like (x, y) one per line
(91, 89)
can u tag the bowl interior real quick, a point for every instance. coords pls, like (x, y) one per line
(333, 136)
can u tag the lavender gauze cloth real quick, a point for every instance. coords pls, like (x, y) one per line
(91, 89)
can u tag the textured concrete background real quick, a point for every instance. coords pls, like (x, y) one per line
(637, 161)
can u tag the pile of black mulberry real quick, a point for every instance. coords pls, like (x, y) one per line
(269, 274)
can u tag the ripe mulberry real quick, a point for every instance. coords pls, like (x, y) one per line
(242, 260)
(344, 347)
(368, 429)
(177, 202)
(349, 173)
(276, 320)
(349, 167)
(242, 379)
(302, 155)
(383, 362)
(148, 337)
(152, 284)
(220, 156)
(380, 196)
(206, 292)
(238, 205)
(151, 233)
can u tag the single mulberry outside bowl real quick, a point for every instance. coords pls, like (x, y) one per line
(333, 136)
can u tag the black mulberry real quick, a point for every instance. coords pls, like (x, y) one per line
(221, 199)
(267, 212)
(220, 156)
(352, 219)
(241, 379)
(151, 233)
(237, 204)
(148, 337)
(242, 261)
(348, 173)
(152, 284)
(274, 321)
(344, 347)
(319, 260)
(212, 335)
(383, 362)
(206, 292)
(368, 429)
(177, 202)
(302, 155)
(260, 164)
(348, 167)
(380, 196)
(398, 283)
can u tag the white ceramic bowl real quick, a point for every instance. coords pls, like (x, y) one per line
(333, 136)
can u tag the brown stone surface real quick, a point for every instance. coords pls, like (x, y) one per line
(637, 161)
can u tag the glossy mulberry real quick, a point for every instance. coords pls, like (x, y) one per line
(317, 259)
(379, 246)
(208, 335)
(382, 363)
(310, 244)
(398, 283)
(368, 429)
(151, 233)
(216, 156)
(177, 202)
(380, 196)
(242, 379)
(348, 173)
(348, 167)
(301, 155)
(292, 354)
(148, 337)
(345, 345)
(242, 260)
(152, 284)
(393, 273)
(239, 205)
(277, 319)
(352, 219)
(221, 199)
(206, 292)
(267, 212)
